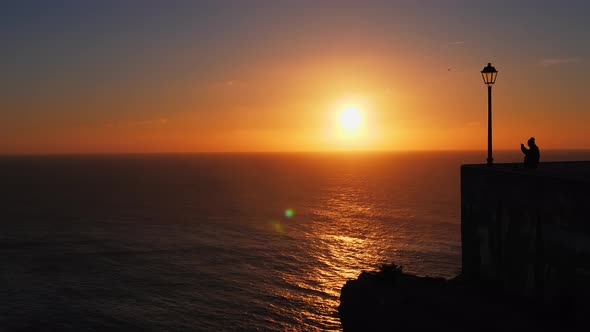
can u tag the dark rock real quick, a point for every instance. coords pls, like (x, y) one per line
(390, 300)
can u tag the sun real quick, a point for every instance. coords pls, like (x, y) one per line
(350, 118)
(350, 125)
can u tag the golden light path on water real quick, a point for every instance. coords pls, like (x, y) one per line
(345, 231)
(336, 216)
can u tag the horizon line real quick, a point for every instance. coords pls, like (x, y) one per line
(57, 154)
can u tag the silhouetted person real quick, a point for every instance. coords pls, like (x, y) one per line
(531, 155)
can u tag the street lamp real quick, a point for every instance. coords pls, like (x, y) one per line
(489, 75)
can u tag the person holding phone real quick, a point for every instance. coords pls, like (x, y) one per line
(531, 155)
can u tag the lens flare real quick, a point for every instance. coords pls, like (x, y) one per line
(278, 226)
(289, 213)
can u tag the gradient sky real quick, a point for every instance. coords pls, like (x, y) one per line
(170, 76)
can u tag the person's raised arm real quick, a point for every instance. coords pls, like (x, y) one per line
(523, 149)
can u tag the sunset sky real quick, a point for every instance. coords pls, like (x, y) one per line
(183, 76)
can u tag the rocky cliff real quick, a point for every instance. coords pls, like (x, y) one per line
(390, 300)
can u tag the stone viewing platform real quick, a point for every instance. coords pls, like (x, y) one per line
(525, 254)
(578, 171)
(528, 230)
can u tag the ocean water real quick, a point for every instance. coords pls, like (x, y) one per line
(201, 242)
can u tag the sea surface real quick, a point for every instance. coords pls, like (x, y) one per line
(218, 242)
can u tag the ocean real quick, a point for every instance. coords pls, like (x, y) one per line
(219, 242)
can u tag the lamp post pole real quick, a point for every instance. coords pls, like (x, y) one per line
(489, 74)
(490, 159)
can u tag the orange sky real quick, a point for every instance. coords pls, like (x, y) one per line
(417, 90)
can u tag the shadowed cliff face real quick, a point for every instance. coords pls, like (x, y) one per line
(527, 229)
(393, 301)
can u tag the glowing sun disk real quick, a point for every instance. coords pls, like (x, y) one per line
(351, 117)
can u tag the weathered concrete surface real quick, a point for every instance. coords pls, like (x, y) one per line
(527, 230)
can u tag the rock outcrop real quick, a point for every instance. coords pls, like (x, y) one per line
(390, 300)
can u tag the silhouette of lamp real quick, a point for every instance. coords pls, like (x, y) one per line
(489, 74)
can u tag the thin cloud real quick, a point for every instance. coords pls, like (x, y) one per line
(459, 42)
(149, 123)
(557, 61)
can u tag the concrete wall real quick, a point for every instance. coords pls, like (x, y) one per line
(527, 230)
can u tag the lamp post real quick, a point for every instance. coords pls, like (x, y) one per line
(489, 74)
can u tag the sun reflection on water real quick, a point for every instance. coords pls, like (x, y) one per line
(350, 226)
(342, 240)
